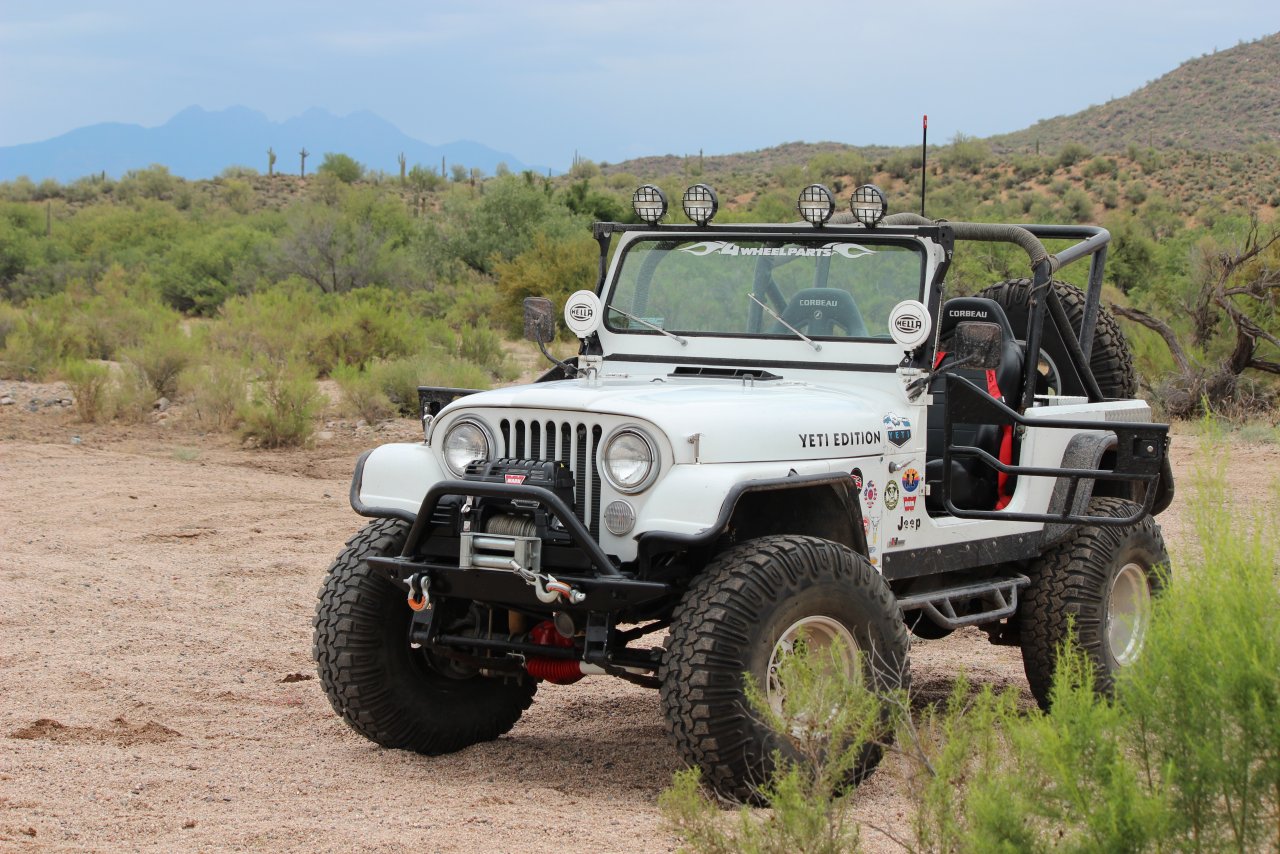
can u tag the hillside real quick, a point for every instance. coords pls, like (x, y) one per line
(1225, 101)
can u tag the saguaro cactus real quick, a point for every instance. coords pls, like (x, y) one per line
(271, 162)
(303, 154)
(400, 159)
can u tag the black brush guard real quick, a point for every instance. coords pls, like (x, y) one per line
(1140, 452)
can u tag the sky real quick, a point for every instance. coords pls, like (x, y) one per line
(543, 79)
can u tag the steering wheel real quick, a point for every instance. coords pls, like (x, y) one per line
(818, 311)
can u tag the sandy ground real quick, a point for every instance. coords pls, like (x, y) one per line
(157, 691)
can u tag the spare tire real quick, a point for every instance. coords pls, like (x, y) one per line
(1111, 359)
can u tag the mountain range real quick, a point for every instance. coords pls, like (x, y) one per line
(199, 143)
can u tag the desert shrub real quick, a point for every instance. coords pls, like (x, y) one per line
(267, 322)
(342, 166)
(10, 319)
(359, 327)
(483, 346)
(1071, 154)
(215, 391)
(362, 394)
(42, 338)
(131, 398)
(282, 407)
(552, 267)
(90, 383)
(161, 357)
(399, 378)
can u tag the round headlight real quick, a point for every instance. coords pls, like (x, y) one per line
(868, 204)
(630, 460)
(649, 203)
(816, 204)
(700, 203)
(465, 443)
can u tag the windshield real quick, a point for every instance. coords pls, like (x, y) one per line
(822, 288)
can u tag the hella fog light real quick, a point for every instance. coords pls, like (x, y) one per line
(649, 203)
(816, 204)
(619, 517)
(465, 443)
(700, 203)
(868, 204)
(630, 460)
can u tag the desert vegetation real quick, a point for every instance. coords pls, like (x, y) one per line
(1185, 757)
(377, 280)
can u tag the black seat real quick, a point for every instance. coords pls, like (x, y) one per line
(818, 311)
(974, 485)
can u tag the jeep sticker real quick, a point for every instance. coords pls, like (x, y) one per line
(891, 495)
(839, 440)
(898, 428)
(723, 247)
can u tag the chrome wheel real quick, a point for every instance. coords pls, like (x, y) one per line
(1128, 613)
(817, 634)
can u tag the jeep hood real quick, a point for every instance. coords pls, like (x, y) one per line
(768, 421)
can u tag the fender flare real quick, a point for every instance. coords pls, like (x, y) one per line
(390, 481)
(1086, 450)
(656, 542)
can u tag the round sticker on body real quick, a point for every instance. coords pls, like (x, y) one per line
(909, 323)
(582, 313)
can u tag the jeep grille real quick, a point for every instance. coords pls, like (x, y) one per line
(569, 442)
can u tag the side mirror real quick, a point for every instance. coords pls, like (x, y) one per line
(978, 344)
(539, 319)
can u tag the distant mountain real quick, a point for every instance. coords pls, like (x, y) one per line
(1225, 101)
(199, 143)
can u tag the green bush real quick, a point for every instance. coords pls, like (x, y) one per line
(399, 378)
(362, 394)
(90, 384)
(283, 406)
(131, 398)
(161, 357)
(342, 166)
(215, 392)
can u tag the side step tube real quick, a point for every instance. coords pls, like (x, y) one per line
(999, 598)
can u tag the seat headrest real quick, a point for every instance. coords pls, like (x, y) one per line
(982, 309)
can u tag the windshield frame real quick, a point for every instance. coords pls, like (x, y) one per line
(911, 239)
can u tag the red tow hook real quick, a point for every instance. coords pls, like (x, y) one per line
(557, 671)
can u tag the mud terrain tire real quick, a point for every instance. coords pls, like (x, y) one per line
(1111, 359)
(386, 691)
(728, 623)
(1093, 579)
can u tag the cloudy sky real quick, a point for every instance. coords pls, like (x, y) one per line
(610, 80)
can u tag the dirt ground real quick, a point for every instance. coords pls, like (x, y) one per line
(156, 685)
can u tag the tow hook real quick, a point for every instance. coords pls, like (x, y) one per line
(419, 597)
(547, 587)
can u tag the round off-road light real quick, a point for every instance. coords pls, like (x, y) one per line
(649, 203)
(630, 460)
(868, 204)
(465, 443)
(700, 203)
(816, 204)
(619, 517)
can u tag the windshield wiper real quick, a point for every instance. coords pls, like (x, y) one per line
(671, 335)
(805, 338)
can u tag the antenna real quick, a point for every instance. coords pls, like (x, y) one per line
(924, 160)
